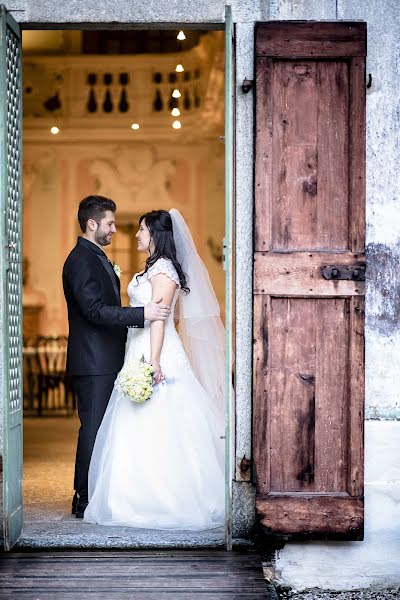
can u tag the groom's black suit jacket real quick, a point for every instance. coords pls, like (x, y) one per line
(97, 323)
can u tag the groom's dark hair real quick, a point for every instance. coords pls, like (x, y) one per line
(94, 207)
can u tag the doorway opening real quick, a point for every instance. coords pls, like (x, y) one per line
(137, 116)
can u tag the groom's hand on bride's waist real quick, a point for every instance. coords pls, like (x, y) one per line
(156, 311)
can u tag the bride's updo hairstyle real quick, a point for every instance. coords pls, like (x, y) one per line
(159, 224)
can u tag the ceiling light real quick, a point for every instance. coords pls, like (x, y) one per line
(176, 94)
(181, 36)
(135, 125)
(179, 68)
(176, 125)
(175, 112)
(54, 130)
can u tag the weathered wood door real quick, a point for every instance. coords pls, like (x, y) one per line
(308, 278)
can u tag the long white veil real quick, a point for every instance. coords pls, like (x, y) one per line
(200, 325)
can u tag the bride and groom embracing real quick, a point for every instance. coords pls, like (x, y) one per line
(157, 464)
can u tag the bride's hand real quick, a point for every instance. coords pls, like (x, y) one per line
(158, 375)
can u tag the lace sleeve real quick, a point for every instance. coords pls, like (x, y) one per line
(165, 266)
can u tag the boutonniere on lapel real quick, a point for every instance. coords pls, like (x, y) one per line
(117, 270)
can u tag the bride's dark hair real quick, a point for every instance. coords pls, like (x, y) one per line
(159, 224)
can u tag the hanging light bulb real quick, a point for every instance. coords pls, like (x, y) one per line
(176, 94)
(55, 130)
(135, 126)
(181, 36)
(179, 68)
(175, 112)
(176, 125)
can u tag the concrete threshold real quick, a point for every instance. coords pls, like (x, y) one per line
(53, 526)
(71, 533)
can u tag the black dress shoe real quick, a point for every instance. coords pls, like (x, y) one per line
(74, 503)
(80, 506)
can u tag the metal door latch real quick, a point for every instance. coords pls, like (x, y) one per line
(245, 464)
(344, 272)
(247, 85)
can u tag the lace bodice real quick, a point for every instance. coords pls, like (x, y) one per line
(173, 356)
(140, 290)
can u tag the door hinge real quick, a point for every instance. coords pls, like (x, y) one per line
(224, 254)
(245, 464)
(9, 247)
(246, 85)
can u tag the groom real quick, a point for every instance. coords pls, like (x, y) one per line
(97, 328)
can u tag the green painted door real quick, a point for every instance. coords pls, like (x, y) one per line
(11, 275)
(228, 264)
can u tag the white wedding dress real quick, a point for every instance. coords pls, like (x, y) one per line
(159, 464)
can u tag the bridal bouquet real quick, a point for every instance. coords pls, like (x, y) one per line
(135, 380)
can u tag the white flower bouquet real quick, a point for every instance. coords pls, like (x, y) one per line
(135, 380)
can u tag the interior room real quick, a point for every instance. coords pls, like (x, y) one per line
(136, 116)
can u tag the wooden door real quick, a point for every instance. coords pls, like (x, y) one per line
(308, 278)
(11, 263)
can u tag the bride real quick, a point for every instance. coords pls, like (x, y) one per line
(160, 464)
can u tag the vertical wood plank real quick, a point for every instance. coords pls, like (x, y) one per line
(294, 151)
(261, 421)
(263, 167)
(332, 395)
(357, 393)
(357, 155)
(333, 155)
(291, 393)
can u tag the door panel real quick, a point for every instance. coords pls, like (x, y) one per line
(11, 260)
(310, 113)
(305, 447)
(308, 279)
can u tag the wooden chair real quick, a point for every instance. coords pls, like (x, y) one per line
(30, 374)
(55, 392)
